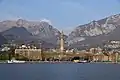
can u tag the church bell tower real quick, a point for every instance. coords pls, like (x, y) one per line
(62, 42)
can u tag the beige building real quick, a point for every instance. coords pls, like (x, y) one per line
(102, 57)
(33, 54)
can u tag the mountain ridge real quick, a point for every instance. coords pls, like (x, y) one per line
(83, 33)
(42, 29)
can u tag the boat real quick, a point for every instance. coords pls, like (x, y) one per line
(15, 61)
(80, 61)
(76, 61)
(84, 61)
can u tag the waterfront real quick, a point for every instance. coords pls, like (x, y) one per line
(60, 71)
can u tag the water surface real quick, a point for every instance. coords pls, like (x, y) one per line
(59, 71)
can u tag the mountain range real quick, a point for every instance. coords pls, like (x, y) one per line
(42, 29)
(29, 31)
(96, 32)
(87, 35)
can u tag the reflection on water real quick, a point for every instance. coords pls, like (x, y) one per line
(59, 71)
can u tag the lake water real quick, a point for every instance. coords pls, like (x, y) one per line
(60, 71)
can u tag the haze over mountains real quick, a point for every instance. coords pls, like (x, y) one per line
(91, 34)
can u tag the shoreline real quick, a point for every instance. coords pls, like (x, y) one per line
(58, 62)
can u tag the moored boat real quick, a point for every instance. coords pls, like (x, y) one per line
(15, 61)
(80, 61)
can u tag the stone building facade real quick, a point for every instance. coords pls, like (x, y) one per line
(32, 54)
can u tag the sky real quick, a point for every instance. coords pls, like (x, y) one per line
(64, 14)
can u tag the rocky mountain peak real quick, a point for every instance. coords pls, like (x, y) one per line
(42, 29)
(46, 21)
(95, 28)
(20, 22)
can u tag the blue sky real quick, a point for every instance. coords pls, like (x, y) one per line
(64, 14)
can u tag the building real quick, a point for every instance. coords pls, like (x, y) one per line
(95, 50)
(32, 54)
(113, 57)
(112, 44)
(62, 42)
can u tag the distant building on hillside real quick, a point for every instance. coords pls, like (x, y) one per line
(114, 44)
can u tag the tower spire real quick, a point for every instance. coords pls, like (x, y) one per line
(61, 41)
